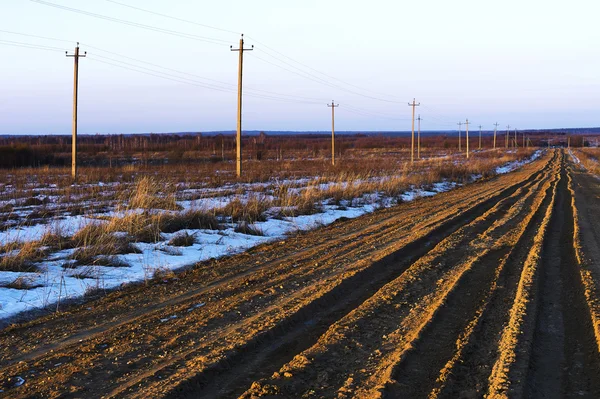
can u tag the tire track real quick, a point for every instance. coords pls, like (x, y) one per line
(333, 365)
(350, 241)
(486, 203)
(225, 372)
(442, 343)
(564, 361)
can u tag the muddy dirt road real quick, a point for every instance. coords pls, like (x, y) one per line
(490, 290)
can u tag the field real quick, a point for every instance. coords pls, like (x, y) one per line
(449, 278)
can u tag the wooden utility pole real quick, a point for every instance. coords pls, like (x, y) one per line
(480, 137)
(238, 136)
(459, 125)
(467, 132)
(75, 91)
(412, 141)
(419, 138)
(333, 106)
(495, 129)
(507, 133)
(516, 143)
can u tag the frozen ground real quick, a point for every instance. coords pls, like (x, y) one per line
(56, 283)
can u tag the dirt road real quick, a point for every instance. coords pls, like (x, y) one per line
(490, 290)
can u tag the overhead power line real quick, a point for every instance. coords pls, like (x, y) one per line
(36, 36)
(219, 82)
(178, 79)
(134, 24)
(171, 17)
(268, 50)
(322, 73)
(30, 45)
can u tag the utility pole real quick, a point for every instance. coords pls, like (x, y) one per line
(333, 106)
(516, 144)
(495, 129)
(238, 137)
(507, 132)
(419, 138)
(467, 123)
(412, 141)
(75, 91)
(480, 137)
(459, 125)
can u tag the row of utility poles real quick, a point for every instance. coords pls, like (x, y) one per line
(78, 55)
(241, 51)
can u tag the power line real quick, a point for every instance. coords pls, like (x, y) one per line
(231, 86)
(30, 45)
(171, 17)
(249, 37)
(130, 23)
(36, 36)
(317, 71)
(317, 79)
(188, 81)
(306, 75)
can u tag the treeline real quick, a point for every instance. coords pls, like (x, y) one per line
(113, 150)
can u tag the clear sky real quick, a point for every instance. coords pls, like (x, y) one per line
(527, 63)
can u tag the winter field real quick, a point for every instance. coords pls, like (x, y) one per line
(61, 241)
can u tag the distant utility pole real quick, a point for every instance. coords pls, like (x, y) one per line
(412, 141)
(459, 125)
(238, 137)
(419, 138)
(516, 143)
(507, 132)
(333, 106)
(480, 137)
(76, 57)
(467, 123)
(495, 129)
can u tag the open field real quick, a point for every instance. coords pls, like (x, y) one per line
(61, 240)
(487, 290)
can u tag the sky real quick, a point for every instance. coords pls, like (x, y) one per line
(523, 63)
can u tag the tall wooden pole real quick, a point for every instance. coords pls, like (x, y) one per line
(238, 136)
(333, 106)
(507, 133)
(412, 140)
(480, 137)
(75, 94)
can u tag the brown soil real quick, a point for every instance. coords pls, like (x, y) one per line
(486, 291)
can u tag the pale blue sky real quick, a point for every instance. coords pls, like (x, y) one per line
(527, 63)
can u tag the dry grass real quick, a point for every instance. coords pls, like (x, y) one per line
(247, 228)
(590, 158)
(147, 205)
(18, 256)
(182, 240)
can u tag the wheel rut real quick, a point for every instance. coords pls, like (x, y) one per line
(563, 360)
